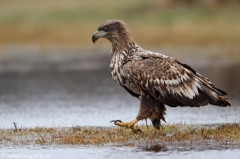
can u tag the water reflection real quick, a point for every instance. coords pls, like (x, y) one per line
(155, 148)
(158, 148)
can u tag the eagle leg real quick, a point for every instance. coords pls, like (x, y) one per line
(153, 109)
(129, 124)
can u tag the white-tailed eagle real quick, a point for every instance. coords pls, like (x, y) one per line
(156, 79)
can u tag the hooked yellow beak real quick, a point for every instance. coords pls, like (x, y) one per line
(98, 34)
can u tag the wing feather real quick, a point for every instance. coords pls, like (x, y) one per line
(172, 82)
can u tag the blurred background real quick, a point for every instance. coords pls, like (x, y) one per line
(51, 74)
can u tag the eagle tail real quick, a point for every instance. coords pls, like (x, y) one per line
(214, 95)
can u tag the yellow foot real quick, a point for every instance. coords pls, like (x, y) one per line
(129, 125)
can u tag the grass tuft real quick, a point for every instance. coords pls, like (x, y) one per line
(170, 134)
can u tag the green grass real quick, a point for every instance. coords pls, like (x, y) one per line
(170, 134)
(151, 23)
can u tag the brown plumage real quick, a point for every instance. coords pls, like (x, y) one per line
(154, 78)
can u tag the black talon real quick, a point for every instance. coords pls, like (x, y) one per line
(139, 130)
(116, 121)
(119, 121)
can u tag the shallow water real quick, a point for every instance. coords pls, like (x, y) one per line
(173, 152)
(66, 94)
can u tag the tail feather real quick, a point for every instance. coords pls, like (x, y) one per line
(215, 95)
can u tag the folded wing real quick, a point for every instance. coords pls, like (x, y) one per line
(172, 82)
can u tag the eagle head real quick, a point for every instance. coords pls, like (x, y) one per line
(111, 30)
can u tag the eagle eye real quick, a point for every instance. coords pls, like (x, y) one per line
(104, 29)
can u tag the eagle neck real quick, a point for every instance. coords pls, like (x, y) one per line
(123, 44)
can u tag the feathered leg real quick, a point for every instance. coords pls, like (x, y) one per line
(153, 109)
